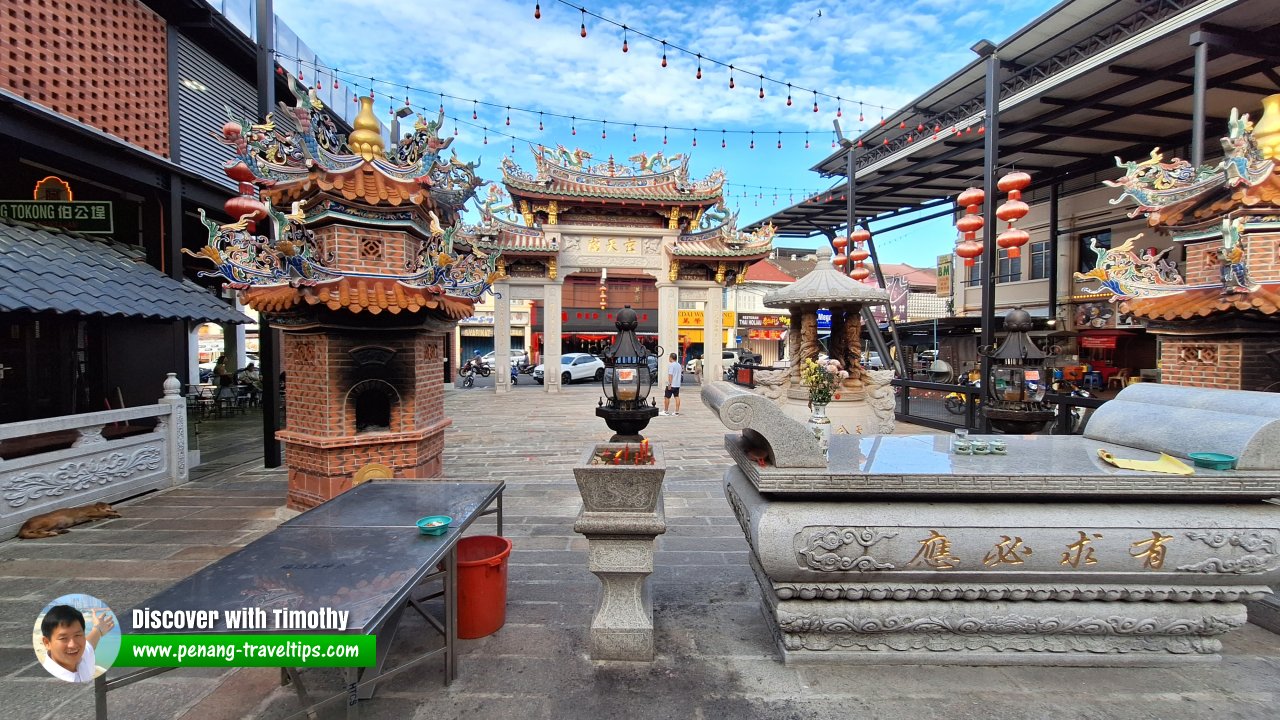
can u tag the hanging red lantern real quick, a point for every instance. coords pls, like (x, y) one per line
(840, 244)
(860, 235)
(1012, 239)
(860, 272)
(246, 203)
(1014, 181)
(840, 261)
(969, 250)
(1011, 210)
(969, 224)
(971, 197)
(859, 253)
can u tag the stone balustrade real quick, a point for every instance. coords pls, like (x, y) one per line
(92, 457)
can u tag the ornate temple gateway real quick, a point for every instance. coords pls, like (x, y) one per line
(578, 240)
(1220, 325)
(362, 276)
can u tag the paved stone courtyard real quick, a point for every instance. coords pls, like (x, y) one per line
(715, 655)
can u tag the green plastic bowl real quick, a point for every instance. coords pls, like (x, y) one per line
(434, 524)
(1213, 461)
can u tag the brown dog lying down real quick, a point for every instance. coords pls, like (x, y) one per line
(57, 522)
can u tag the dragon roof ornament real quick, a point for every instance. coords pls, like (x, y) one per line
(1202, 202)
(1160, 188)
(560, 167)
(318, 147)
(323, 175)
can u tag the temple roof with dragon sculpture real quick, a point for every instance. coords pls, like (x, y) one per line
(651, 191)
(1226, 215)
(332, 185)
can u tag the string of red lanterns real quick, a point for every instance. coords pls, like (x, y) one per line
(859, 253)
(667, 45)
(1014, 209)
(370, 82)
(969, 224)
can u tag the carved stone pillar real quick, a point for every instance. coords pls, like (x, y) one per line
(502, 337)
(551, 336)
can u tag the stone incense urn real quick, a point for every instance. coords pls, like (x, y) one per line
(622, 512)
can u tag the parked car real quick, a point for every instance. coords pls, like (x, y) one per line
(574, 366)
(740, 356)
(490, 357)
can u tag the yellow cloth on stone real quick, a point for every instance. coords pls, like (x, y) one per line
(1166, 464)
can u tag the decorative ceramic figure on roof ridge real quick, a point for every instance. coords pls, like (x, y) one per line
(1231, 260)
(1126, 275)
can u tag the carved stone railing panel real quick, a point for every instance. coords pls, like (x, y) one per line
(94, 468)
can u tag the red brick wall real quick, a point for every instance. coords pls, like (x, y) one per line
(1262, 255)
(101, 62)
(367, 250)
(1212, 363)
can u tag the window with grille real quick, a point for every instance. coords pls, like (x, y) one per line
(371, 248)
(1008, 269)
(1040, 260)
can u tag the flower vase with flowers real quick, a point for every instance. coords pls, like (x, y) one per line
(823, 380)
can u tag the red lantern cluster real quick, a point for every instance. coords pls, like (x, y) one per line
(840, 259)
(858, 254)
(1014, 209)
(969, 224)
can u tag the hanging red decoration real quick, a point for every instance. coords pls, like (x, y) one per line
(860, 235)
(1012, 210)
(840, 261)
(664, 53)
(859, 253)
(860, 272)
(840, 243)
(699, 75)
(537, 11)
(969, 224)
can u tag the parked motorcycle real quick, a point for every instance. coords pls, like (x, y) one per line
(515, 375)
(1079, 415)
(955, 402)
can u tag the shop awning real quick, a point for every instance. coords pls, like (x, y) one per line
(48, 271)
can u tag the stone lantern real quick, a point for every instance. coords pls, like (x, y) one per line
(626, 407)
(1016, 384)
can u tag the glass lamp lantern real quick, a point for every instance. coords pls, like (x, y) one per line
(626, 383)
(1017, 382)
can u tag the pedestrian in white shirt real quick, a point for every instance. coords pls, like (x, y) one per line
(673, 386)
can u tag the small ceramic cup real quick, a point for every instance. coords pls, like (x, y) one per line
(962, 447)
(998, 447)
(980, 447)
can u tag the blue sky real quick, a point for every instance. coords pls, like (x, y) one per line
(882, 53)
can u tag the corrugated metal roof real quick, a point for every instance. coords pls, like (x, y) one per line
(48, 271)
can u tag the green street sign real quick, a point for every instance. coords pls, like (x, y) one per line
(86, 216)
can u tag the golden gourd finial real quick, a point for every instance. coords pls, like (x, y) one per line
(366, 139)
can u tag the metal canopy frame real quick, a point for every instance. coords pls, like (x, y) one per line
(1087, 81)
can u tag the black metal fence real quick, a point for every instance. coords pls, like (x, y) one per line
(947, 406)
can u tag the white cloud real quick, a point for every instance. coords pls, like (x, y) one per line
(882, 53)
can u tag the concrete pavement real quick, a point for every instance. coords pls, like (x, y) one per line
(715, 655)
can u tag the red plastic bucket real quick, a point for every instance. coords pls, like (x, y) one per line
(482, 585)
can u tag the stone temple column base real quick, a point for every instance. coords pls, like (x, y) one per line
(621, 556)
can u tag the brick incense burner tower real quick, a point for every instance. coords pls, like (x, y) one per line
(362, 278)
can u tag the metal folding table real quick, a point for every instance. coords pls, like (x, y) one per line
(360, 552)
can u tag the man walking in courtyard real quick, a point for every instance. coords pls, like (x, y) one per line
(673, 386)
